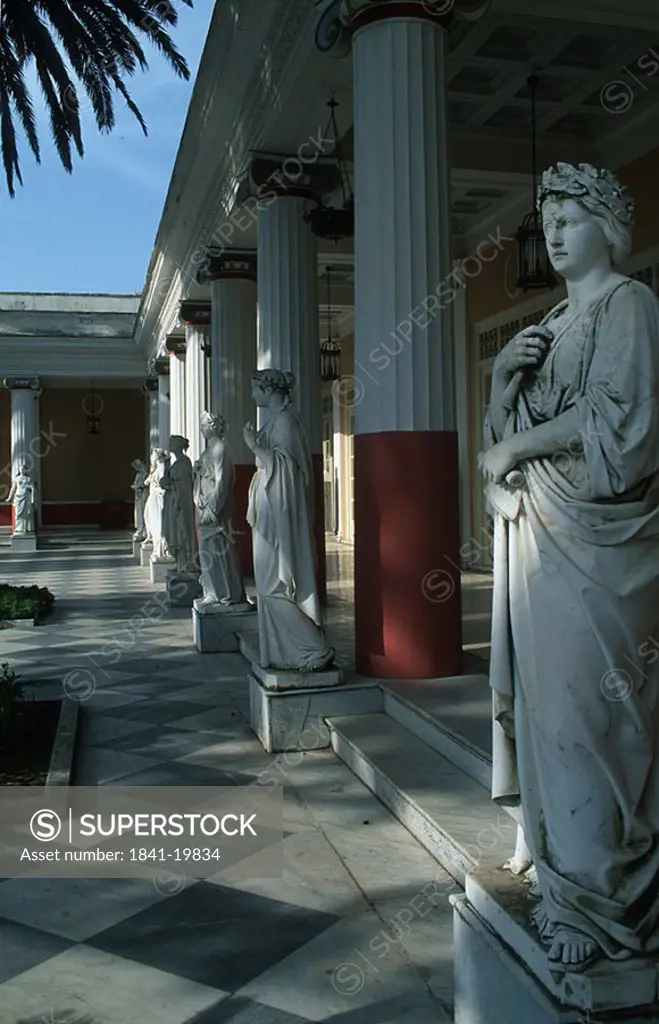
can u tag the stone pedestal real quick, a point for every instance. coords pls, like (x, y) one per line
(24, 542)
(181, 590)
(288, 709)
(502, 973)
(146, 550)
(296, 719)
(137, 549)
(159, 568)
(215, 628)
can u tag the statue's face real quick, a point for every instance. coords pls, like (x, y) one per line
(575, 240)
(260, 395)
(206, 428)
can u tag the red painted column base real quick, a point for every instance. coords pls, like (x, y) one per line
(407, 534)
(242, 529)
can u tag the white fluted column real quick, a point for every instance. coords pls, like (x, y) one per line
(196, 335)
(164, 410)
(25, 436)
(288, 331)
(232, 363)
(27, 445)
(177, 394)
(233, 358)
(407, 586)
(153, 414)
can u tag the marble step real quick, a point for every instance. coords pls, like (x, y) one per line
(476, 597)
(449, 813)
(440, 712)
(476, 628)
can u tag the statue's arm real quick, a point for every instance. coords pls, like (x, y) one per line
(12, 492)
(559, 434)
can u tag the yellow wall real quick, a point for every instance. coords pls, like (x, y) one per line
(83, 467)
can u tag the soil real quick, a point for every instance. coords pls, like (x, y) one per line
(26, 750)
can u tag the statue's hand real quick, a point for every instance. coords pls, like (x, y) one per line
(496, 463)
(249, 433)
(528, 348)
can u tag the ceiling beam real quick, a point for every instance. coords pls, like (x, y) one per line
(642, 15)
(508, 85)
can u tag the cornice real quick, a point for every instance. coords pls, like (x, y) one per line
(290, 35)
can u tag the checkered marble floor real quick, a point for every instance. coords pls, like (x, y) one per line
(321, 943)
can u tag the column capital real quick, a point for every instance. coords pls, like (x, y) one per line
(175, 343)
(22, 383)
(291, 175)
(232, 264)
(358, 13)
(195, 312)
(160, 366)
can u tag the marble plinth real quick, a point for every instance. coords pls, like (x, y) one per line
(285, 679)
(159, 568)
(137, 549)
(296, 719)
(495, 943)
(215, 628)
(24, 542)
(146, 550)
(181, 590)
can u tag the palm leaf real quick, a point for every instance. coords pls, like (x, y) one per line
(88, 45)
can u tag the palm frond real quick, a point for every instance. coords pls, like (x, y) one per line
(92, 45)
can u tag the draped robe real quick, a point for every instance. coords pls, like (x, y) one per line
(281, 516)
(575, 637)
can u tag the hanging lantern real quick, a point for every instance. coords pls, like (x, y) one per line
(93, 407)
(334, 222)
(330, 351)
(534, 268)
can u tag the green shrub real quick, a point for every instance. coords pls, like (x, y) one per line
(10, 691)
(24, 602)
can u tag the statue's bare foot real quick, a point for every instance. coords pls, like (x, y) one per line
(546, 927)
(521, 860)
(572, 949)
(531, 878)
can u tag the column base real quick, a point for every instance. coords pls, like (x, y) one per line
(159, 569)
(215, 628)
(23, 542)
(182, 591)
(146, 550)
(497, 950)
(408, 619)
(295, 719)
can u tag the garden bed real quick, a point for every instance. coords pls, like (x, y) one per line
(27, 747)
(23, 605)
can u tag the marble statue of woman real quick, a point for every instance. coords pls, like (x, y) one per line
(221, 579)
(154, 510)
(291, 634)
(572, 471)
(139, 489)
(22, 496)
(179, 518)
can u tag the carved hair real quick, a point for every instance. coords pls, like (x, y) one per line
(179, 439)
(599, 193)
(282, 381)
(214, 420)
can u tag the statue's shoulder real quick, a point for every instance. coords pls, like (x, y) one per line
(629, 291)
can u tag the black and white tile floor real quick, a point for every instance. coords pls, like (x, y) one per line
(321, 943)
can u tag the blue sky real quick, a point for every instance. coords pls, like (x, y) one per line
(93, 230)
